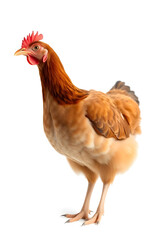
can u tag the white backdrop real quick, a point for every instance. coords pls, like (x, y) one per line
(98, 42)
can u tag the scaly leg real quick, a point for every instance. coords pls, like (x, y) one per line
(100, 210)
(83, 214)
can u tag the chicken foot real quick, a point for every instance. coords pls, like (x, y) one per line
(83, 214)
(100, 210)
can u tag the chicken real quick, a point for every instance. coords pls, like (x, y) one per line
(94, 130)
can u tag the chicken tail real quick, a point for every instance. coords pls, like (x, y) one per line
(121, 86)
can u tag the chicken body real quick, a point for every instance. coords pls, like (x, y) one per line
(71, 133)
(94, 130)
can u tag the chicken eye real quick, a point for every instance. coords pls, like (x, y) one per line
(35, 48)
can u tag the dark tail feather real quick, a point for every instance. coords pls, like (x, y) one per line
(121, 85)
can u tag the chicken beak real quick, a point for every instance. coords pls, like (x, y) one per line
(21, 51)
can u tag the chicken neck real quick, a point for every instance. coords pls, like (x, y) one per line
(55, 79)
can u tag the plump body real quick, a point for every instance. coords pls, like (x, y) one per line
(70, 132)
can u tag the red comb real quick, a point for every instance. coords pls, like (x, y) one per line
(30, 39)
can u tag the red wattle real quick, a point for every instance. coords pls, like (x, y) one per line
(32, 60)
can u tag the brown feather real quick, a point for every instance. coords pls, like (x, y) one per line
(106, 118)
(91, 176)
(128, 107)
(124, 89)
(56, 80)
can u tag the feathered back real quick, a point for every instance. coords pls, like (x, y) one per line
(127, 102)
(121, 85)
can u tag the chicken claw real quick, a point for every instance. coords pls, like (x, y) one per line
(95, 219)
(75, 217)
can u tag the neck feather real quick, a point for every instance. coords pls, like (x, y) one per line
(55, 79)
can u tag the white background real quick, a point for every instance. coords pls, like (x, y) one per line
(98, 42)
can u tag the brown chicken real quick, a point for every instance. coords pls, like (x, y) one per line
(94, 130)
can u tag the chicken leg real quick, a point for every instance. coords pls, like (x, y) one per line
(83, 214)
(100, 210)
